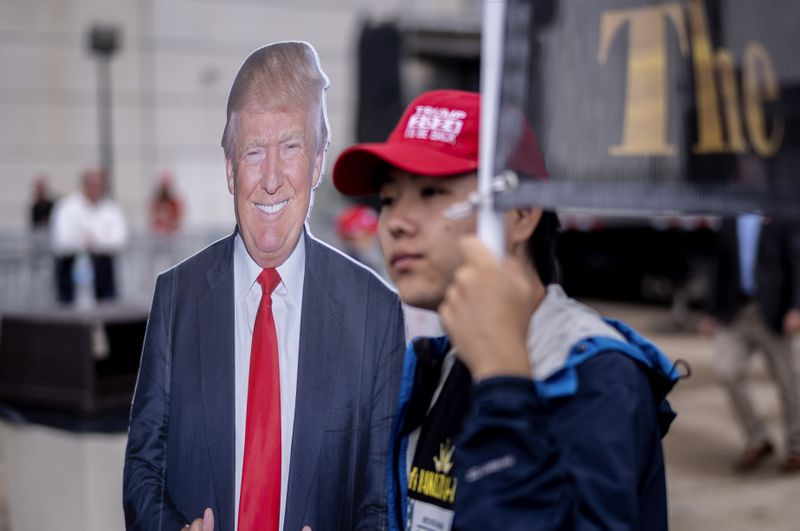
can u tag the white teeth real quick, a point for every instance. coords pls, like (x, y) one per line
(272, 209)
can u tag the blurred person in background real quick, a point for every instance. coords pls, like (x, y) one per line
(534, 412)
(88, 222)
(166, 209)
(42, 204)
(754, 304)
(271, 362)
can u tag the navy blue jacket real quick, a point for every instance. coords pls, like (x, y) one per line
(180, 456)
(580, 450)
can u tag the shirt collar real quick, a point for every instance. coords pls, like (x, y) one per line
(292, 270)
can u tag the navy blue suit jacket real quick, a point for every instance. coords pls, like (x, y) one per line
(180, 454)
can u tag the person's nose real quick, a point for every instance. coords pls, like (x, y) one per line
(400, 218)
(272, 173)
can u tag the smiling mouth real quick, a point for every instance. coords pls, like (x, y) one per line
(272, 209)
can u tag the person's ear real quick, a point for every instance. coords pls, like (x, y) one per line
(520, 224)
(229, 173)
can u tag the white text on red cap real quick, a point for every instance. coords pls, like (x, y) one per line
(439, 124)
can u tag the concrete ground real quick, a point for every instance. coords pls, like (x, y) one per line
(704, 492)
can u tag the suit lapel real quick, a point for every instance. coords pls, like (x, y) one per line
(215, 321)
(318, 326)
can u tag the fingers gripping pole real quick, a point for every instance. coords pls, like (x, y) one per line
(501, 184)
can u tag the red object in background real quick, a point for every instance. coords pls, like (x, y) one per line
(356, 221)
(166, 210)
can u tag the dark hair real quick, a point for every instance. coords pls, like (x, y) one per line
(541, 248)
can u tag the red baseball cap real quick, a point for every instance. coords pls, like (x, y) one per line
(437, 136)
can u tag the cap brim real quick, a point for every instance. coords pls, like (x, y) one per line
(356, 169)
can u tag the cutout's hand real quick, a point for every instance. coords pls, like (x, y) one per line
(206, 523)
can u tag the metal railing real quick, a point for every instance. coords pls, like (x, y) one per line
(27, 278)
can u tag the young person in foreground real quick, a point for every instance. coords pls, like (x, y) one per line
(534, 413)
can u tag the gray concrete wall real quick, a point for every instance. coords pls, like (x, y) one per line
(170, 83)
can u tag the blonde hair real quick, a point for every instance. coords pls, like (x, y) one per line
(279, 76)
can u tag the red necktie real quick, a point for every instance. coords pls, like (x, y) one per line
(260, 498)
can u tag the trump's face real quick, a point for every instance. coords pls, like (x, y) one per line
(274, 164)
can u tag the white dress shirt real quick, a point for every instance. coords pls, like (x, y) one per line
(286, 305)
(80, 225)
(748, 231)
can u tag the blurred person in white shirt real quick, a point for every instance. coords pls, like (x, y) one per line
(89, 222)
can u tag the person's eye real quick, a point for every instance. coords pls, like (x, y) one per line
(254, 156)
(431, 191)
(385, 201)
(290, 149)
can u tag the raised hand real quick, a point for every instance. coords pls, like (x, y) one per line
(486, 312)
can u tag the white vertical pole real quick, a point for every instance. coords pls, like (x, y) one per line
(491, 228)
